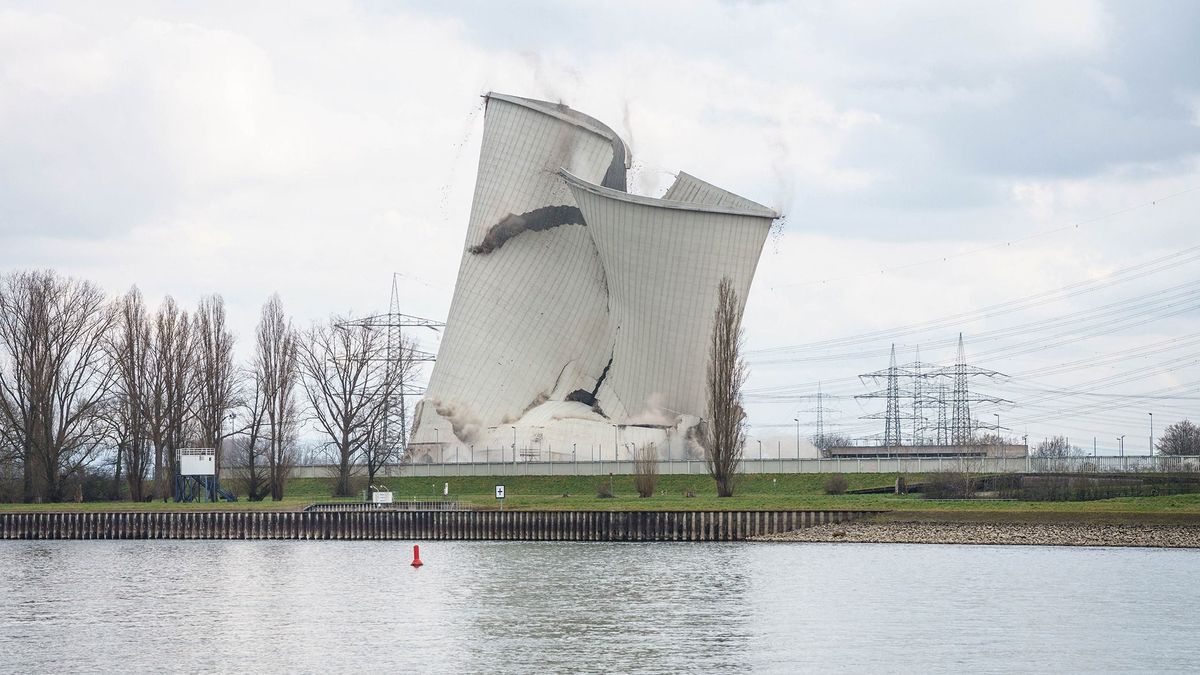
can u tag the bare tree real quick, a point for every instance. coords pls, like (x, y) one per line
(1180, 438)
(128, 346)
(248, 461)
(54, 378)
(10, 466)
(389, 430)
(169, 392)
(10, 462)
(725, 431)
(830, 440)
(276, 372)
(1056, 447)
(345, 374)
(212, 374)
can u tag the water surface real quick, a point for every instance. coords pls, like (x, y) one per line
(141, 606)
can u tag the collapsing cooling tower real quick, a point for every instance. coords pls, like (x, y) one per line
(582, 314)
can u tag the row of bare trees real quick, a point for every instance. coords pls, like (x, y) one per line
(85, 381)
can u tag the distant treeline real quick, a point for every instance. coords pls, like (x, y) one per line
(98, 394)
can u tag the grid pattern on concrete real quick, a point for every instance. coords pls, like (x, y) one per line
(582, 314)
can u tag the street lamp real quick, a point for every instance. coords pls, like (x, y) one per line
(797, 421)
(514, 446)
(1121, 444)
(1151, 433)
(232, 418)
(489, 448)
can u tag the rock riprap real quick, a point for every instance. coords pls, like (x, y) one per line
(1031, 534)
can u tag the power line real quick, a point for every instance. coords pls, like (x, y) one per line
(1131, 273)
(1160, 304)
(1002, 244)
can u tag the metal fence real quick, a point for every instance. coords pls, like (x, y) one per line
(1159, 464)
(413, 504)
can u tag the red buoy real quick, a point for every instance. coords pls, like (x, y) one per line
(417, 556)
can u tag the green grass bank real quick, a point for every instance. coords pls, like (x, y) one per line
(754, 492)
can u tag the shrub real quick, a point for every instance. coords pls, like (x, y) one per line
(1061, 487)
(836, 484)
(645, 471)
(949, 485)
(604, 490)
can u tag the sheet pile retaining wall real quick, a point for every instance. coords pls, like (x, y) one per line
(417, 525)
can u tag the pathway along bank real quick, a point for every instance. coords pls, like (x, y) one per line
(418, 525)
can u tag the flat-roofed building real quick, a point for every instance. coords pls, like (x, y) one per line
(903, 451)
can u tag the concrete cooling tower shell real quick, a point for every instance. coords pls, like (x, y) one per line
(664, 259)
(528, 321)
(582, 314)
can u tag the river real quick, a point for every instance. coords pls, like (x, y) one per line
(207, 606)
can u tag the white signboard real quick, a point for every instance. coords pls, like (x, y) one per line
(197, 462)
(499, 492)
(381, 497)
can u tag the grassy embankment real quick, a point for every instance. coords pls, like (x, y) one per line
(755, 492)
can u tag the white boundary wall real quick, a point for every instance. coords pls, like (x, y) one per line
(880, 465)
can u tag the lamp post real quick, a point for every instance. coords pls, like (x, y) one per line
(797, 421)
(1121, 444)
(232, 419)
(1151, 433)
(514, 446)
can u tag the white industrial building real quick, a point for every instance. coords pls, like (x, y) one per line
(582, 314)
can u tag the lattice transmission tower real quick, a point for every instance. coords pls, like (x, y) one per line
(908, 381)
(917, 372)
(892, 392)
(820, 409)
(943, 432)
(962, 424)
(402, 357)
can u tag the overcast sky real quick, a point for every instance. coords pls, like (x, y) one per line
(932, 158)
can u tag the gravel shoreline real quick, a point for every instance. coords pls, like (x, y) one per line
(1008, 534)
